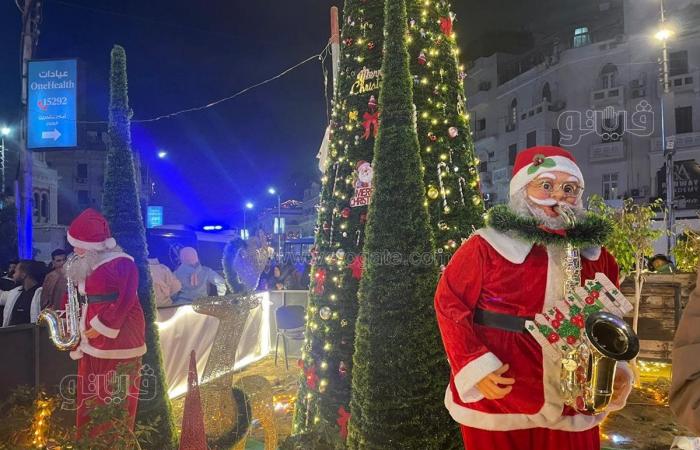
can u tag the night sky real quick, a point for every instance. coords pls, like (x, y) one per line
(184, 54)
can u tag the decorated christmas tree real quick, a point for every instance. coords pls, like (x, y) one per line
(398, 365)
(122, 209)
(449, 180)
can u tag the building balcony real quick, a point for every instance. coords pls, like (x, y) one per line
(474, 99)
(609, 96)
(680, 141)
(606, 151)
(687, 82)
(502, 175)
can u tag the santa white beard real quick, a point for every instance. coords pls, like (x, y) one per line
(522, 205)
(81, 267)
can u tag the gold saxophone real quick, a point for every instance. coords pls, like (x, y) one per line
(588, 371)
(64, 331)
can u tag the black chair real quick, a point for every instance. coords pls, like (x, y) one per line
(290, 325)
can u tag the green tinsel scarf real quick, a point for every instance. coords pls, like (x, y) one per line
(590, 231)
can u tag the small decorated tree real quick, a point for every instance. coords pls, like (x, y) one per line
(631, 240)
(122, 209)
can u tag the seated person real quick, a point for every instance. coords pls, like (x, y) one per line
(165, 283)
(23, 304)
(196, 278)
(661, 264)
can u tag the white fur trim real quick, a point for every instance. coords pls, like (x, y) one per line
(549, 416)
(119, 353)
(104, 245)
(621, 397)
(103, 329)
(563, 164)
(591, 253)
(513, 249)
(467, 377)
(111, 257)
(556, 277)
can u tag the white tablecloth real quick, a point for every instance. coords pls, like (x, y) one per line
(183, 330)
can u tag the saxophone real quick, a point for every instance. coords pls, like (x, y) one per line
(64, 331)
(588, 371)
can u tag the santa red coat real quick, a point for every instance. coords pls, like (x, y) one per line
(120, 322)
(502, 274)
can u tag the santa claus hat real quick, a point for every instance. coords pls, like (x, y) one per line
(90, 231)
(535, 161)
(360, 163)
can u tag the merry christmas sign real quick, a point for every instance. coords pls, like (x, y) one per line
(363, 185)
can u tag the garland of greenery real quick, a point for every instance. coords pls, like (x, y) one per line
(591, 230)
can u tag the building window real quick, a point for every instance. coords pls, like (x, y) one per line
(531, 139)
(546, 93)
(684, 119)
(45, 207)
(677, 63)
(610, 186)
(556, 137)
(608, 76)
(36, 206)
(483, 167)
(82, 171)
(512, 153)
(481, 125)
(83, 197)
(581, 37)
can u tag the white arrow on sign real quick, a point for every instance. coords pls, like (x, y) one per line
(55, 134)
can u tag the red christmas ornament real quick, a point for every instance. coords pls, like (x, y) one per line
(343, 418)
(558, 315)
(422, 59)
(193, 436)
(589, 300)
(345, 213)
(446, 26)
(372, 103)
(553, 337)
(356, 266)
(348, 42)
(452, 132)
(556, 323)
(320, 278)
(371, 122)
(370, 45)
(311, 377)
(595, 294)
(578, 320)
(432, 136)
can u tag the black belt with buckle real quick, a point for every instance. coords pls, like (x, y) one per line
(102, 298)
(505, 322)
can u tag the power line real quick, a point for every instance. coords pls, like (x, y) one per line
(320, 56)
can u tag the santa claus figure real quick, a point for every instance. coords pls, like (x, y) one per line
(502, 391)
(364, 175)
(112, 321)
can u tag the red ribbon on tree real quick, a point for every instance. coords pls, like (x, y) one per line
(320, 276)
(371, 120)
(446, 26)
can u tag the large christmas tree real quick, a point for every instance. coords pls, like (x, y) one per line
(399, 368)
(449, 177)
(122, 209)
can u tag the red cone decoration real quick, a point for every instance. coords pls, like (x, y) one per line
(193, 436)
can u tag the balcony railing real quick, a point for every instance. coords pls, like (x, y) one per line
(684, 82)
(607, 96)
(607, 151)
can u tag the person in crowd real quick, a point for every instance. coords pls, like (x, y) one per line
(23, 303)
(661, 264)
(684, 398)
(276, 281)
(165, 283)
(7, 282)
(196, 278)
(55, 283)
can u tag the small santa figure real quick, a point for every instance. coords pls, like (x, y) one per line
(502, 391)
(364, 175)
(112, 322)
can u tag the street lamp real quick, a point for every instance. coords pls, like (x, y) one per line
(273, 191)
(664, 34)
(4, 131)
(244, 232)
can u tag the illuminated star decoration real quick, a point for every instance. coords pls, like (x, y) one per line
(343, 418)
(311, 377)
(356, 267)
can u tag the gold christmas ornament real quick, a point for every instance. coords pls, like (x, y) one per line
(433, 192)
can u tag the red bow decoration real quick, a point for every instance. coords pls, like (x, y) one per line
(356, 267)
(446, 26)
(311, 377)
(371, 119)
(320, 281)
(561, 232)
(343, 419)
